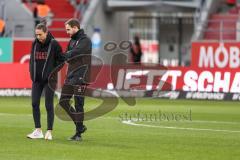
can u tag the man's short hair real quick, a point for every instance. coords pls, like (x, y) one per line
(73, 23)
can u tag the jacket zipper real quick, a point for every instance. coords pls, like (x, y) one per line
(34, 63)
(49, 51)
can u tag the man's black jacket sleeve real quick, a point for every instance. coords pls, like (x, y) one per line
(83, 47)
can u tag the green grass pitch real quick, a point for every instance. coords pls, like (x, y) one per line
(212, 133)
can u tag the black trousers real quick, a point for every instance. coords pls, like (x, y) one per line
(77, 112)
(37, 89)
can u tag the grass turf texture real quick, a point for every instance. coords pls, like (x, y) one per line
(108, 138)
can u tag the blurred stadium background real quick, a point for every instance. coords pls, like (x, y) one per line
(198, 42)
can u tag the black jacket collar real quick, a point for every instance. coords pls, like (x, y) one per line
(78, 35)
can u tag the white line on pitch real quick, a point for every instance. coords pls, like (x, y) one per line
(178, 128)
(194, 121)
(217, 122)
(197, 121)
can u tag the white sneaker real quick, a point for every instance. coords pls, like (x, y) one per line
(36, 134)
(48, 135)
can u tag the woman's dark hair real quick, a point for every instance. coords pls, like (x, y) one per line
(42, 26)
(41, 2)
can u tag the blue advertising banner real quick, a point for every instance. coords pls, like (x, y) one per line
(6, 49)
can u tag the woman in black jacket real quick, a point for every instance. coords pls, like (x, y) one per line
(136, 51)
(46, 54)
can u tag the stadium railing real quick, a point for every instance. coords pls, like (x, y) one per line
(14, 27)
(223, 32)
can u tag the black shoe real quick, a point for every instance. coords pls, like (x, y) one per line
(81, 130)
(84, 129)
(76, 137)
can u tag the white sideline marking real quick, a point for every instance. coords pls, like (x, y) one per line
(12, 114)
(216, 122)
(177, 128)
(197, 121)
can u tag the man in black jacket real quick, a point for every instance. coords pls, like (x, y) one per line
(78, 75)
(45, 57)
